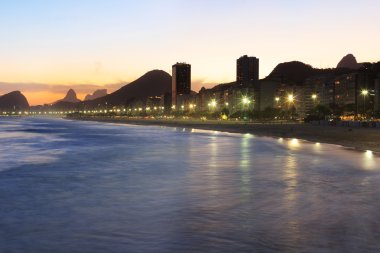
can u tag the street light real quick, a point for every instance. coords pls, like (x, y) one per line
(245, 101)
(314, 97)
(290, 98)
(277, 99)
(364, 93)
(213, 103)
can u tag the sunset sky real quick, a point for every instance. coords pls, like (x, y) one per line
(48, 46)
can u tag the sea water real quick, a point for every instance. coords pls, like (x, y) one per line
(71, 186)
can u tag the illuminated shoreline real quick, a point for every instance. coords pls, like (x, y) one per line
(361, 139)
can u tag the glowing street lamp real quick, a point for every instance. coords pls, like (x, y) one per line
(245, 101)
(314, 97)
(364, 93)
(290, 102)
(277, 99)
(213, 103)
(290, 98)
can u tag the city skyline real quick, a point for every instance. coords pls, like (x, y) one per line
(92, 44)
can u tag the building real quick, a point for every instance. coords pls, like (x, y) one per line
(247, 76)
(247, 70)
(181, 83)
(269, 89)
(377, 93)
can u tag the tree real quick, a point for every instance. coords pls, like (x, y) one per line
(377, 113)
(320, 112)
(270, 113)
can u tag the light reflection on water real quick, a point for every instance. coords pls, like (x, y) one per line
(90, 187)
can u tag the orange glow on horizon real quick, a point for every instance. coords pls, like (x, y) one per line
(41, 98)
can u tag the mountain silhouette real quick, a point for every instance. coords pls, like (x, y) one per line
(153, 83)
(71, 97)
(13, 101)
(294, 71)
(349, 62)
(96, 94)
(297, 72)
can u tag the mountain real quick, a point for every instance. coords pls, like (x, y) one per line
(349, 62)
(96, 94)
(71, 97)
(294, 71)
(153, 83)
(297, 72)
(13, 101)
(222, 87)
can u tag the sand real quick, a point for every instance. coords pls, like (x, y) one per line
(357, 138)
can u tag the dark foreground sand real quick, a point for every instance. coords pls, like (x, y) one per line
(357, 138)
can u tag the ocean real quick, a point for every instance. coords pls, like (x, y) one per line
(72, 186)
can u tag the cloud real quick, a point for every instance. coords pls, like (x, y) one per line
(59, 88)
(40, 93)
(197, 84)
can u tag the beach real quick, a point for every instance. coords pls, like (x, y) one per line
(362, 139)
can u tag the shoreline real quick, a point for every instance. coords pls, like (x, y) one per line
(361, 139)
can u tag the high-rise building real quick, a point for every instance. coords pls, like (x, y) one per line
(247, 77)
(181, 81)
(247, 70)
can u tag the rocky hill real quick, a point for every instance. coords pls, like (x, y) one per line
(153, 83)
(96, 94)
(13, 101)
(349, 62)
(71, 97)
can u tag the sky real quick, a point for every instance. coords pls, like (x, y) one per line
(47, 47)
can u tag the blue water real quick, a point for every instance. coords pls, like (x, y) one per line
(68, 186)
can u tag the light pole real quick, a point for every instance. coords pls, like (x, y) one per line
(212, 104)
(314, 97)
(277, 99)
(245, 101)
(364, 93)
(290, 102)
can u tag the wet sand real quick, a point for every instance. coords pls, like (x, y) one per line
(355, 138)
